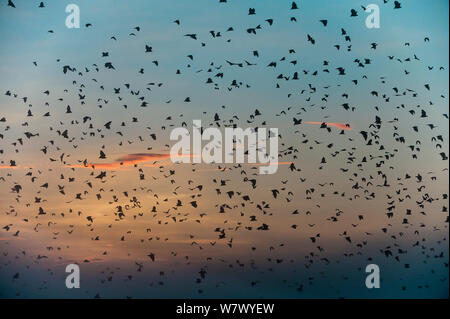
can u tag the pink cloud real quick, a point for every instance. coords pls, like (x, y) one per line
(342, 126)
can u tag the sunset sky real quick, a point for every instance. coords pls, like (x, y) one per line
(342, 186)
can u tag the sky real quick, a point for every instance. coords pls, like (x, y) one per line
(342, 185)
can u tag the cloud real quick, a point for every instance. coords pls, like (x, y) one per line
(127, 160)
(342, 126)
(14, 167)
(142, 157)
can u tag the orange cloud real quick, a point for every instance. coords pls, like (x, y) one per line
(7, 166)
(342, 126)
(14, 167)
(127, 160)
